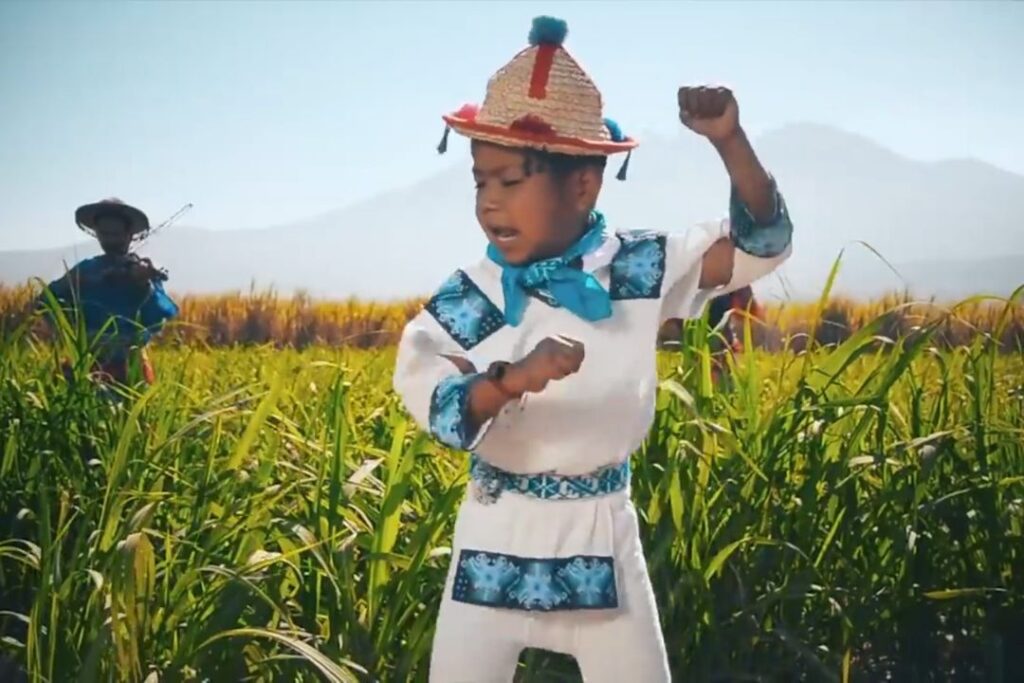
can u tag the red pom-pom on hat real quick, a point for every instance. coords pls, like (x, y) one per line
(468, 112)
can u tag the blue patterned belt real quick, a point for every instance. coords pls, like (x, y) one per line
(490, 481)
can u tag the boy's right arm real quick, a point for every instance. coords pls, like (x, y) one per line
(441, 387)
(454, 400)
(552, 359)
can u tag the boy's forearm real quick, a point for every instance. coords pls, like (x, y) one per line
(751, 180)
(486, 400)
(489, 395)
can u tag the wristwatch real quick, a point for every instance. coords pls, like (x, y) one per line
(496, 370)
(496, 373)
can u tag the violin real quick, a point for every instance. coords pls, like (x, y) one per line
(132, 269)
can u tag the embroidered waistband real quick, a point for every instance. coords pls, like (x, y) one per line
(489, 482)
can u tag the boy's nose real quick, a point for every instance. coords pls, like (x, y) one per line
(488, 201)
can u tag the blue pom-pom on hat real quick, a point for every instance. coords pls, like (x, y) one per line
(548, 31)
(614, 130)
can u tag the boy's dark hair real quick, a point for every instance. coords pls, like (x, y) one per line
(561, 165)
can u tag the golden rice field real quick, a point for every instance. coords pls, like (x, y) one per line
(851, 511)
(256, 318)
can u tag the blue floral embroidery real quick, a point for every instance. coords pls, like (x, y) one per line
(464, 311)
(448, 406)
(488, 577)
(535, 584)
(489, 481)
(588, 581)
(638, 269)
(537, 588)
(763, 240)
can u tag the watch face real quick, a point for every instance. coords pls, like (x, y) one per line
(497, 370)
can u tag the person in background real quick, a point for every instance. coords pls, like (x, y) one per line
(119, 295)
(727, 317)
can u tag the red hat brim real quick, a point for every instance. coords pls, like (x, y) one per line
(550, 142)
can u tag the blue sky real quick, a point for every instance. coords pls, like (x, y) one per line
(265, 113)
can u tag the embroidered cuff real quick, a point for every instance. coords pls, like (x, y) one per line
(449, 412)
(762, 239)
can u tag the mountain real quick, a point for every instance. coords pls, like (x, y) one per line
(950, 228)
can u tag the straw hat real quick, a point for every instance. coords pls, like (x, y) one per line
(542, 99)
(87, 215)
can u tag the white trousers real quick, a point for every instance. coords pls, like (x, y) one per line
(479, 644)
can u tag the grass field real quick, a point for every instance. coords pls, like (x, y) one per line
(264, 317)
(844, 512)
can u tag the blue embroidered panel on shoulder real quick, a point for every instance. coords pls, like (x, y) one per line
(639, 268)
(535, 584)
(464, 311)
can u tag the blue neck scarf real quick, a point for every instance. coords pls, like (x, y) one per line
(556, 280)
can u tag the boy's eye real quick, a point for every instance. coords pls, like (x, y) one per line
(480, 183)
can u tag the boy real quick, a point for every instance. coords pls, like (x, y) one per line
(541, 360)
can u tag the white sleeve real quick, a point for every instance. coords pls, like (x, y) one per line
(432, 388)
(683, 297)
(760, 249)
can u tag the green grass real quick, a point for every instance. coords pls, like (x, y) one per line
(846, 513)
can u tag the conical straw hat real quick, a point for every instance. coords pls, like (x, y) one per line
(542, 99)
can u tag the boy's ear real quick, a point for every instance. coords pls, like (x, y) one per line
(588, 183)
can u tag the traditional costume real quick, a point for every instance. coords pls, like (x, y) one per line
(546, 550)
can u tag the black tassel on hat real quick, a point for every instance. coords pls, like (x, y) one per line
(615, 133)
(443, 146)
(621, 175)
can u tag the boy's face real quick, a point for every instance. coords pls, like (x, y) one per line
(112, 233)
(534, 215)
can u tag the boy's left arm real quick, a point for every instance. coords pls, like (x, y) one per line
(760, 228)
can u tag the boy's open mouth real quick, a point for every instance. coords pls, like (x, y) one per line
(503, 235)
